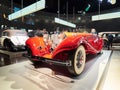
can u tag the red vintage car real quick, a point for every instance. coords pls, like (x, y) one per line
(70, 52)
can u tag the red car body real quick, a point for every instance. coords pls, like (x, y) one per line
(71, 52)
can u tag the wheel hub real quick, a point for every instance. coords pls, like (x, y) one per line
(79, 59)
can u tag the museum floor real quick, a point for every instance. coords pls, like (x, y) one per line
(111, 77)
(101, 72)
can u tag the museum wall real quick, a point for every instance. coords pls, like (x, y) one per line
(42, 20)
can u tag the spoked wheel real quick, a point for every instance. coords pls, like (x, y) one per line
(78, 61)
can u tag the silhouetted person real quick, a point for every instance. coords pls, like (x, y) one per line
(110, 40)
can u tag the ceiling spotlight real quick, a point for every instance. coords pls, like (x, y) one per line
(100, 0)
(112, 1)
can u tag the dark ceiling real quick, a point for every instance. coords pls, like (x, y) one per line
(78, 5)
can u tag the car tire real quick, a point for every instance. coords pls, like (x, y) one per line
(8, 46)
(29, 53)
(77, 61)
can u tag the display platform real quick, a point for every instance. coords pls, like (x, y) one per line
(8, 57)
(24, 76)
(11, 55)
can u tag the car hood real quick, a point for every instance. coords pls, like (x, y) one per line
(19, 40)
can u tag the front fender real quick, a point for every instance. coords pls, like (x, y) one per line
(68, 44)
(2, 41)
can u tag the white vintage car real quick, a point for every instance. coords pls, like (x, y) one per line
(13, 39)
(116, 37)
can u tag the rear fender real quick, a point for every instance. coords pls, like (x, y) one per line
(37, 46)
(34, 49)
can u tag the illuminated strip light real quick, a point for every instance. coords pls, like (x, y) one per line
(106, 16)
(63, 22)
(27, 10)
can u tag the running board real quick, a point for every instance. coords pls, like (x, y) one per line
(50, 61)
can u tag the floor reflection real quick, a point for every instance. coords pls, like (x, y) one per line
(6, 60)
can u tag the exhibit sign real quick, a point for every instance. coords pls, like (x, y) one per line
(106, 16)
(63, 22)
(28, 10)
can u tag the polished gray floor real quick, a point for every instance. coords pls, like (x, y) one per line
(111, 78)
(24, 76)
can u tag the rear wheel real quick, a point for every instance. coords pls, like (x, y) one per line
(29, 52)
(78, 61)
(30, 56)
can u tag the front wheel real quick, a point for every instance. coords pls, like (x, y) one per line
(8, 45)
(78, 61)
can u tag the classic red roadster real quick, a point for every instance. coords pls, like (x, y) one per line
(70, 52)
